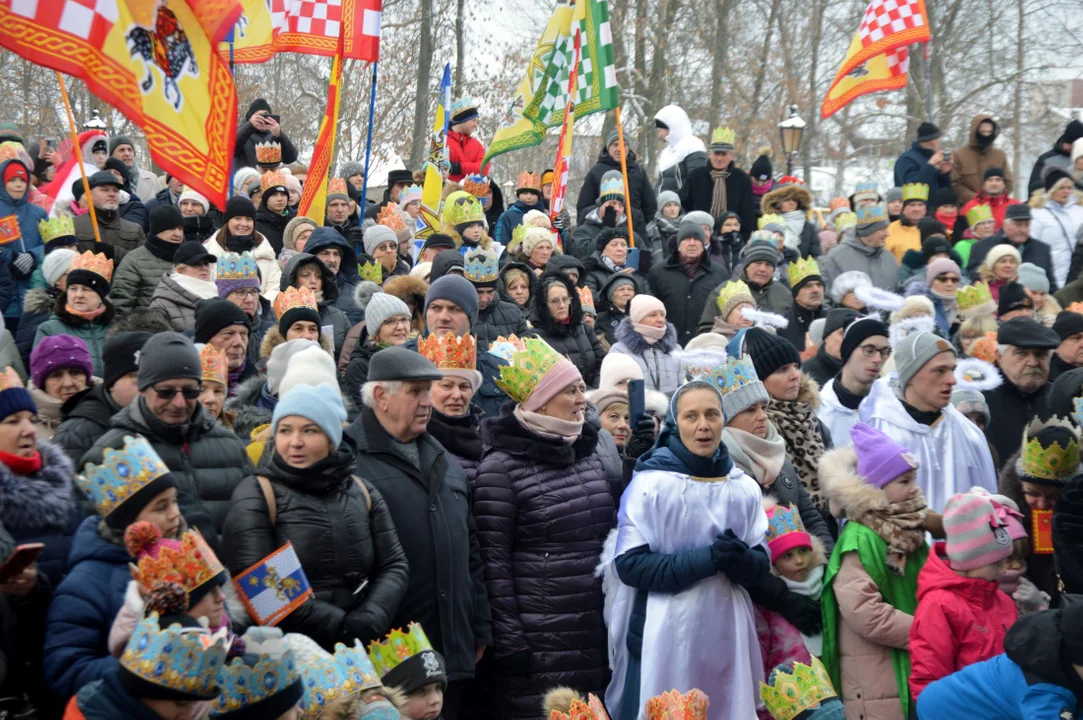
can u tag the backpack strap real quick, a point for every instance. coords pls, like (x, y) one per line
(364, 490)
(269, 496)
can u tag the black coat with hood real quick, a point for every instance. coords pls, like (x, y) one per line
(248, 137)
(698, 191)
(330, 314)
(598, 274)
(609, 316)
(533, 279)
(574, 340)
(641, 194)
(37, 308)
(684, 296)
(272, 225)
(344, 537)
(84, 418)
(347, 277)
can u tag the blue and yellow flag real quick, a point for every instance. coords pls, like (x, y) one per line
(274, 587)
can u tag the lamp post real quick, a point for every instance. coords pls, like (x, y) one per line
(791, 129)
(95, 122)
(509, 186)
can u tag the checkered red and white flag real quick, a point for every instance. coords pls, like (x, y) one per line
(312, 27)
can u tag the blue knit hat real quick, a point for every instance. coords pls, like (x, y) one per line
(456, 289)
(13, 396)
(322, 404)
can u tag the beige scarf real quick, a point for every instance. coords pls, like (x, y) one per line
(901, 526)
(548, 426)
(762, 458)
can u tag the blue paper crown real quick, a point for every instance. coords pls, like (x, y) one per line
(242, 686)
(867, 187)
(186, 660)
(122, 473)
(329, 677)
(463, 103)
(736, 373)
(611, 188)
(784, 520)
(1077, 413)
(872, 214)
(232, 266)
(481, 266)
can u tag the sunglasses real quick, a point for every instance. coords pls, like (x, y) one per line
(954, 279)
(170, 393)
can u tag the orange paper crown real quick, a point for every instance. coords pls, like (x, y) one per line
(96, 263)
(529, 181)
(586, 297)
(985, 348)
(674, 706)
(449, 352)
(592, 709)
(336, 186)
(10, 379)
(268, 153)
(389, 217)
(190, 563)
(272, 179)
(294, 297)
(476, 185)
(215, 364)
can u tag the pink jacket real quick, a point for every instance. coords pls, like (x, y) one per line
(780, 643)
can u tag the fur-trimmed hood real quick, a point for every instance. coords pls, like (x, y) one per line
(809, 391)
(848, 493)
(627, 334)
(249, 415)
(273, 338)
(38, 503)
(773, 200)
(411, 290)
(40, 300)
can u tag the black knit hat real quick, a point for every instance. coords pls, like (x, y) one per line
(257, 105)
(438, 240)
(168, 356)
(769, 352)
(239, 206)
(165, 217)
(945, 196)
(89, 279)
(934, 245)
(839, 318)
(928, 131)
(858, 332)
(417, 671)
(993, 172)
(761, 169)
(1054, 176)
(214, 314)
(120, 355)
(1013, 296)
(1068, 323)
(930, 226)
(608, 234)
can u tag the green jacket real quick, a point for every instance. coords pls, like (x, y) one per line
(92, 333)
(135, 280)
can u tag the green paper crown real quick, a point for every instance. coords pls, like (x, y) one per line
(801, 269)
(973, 296)
(466, 209)
(57, 227)
(979, 213)
(723, 136)
(527, 368)
(915, 191)
(845, 220)
(730, 290)
(1054, 463)
(792, 694)
(768, 219)
(373, 272)
(398, 647)
(517, 236)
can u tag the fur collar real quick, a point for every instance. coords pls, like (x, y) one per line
(773, 200)
(273, 338)
(40, 300)
(626, 333)
(42, 501)
(809, 392)
(246, 393)
(847, 492)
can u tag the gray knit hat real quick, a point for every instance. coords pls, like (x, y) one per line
(351, 168)
(761, 250)
(666, 197)
(378, 234)
(699, 217)
(1033, 278)
(969, 401)
(455, 289)
(381, 308)
(913, 352)
(168, 356)
(892, 195)
(690, 229)
(118, 140)
(743, 397)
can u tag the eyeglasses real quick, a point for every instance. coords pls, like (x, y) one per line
(247, 292)
(396, 321)
(953, 279)
(560, 301)
(870, 350)
(170, 393)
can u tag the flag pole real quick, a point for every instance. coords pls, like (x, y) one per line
(78, 156)
(368, 141)
(624, 172)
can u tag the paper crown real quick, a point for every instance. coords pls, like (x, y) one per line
(464, 209)
(233, 266)
(529, 181)
(1076, 307)
(586, 297)
(985, 348)
(791, 694)
(723, 136)
(611, 188)
(481, 265)
(294, 297)
(272, 179)
(268, 153)
(505, 347)
(1077, 409)
(866, 191)
(592, 709)
(186, 660)
(476, 185)
(770, 219)
(463, 104)
(731, 290)
(785, 530)
(397, 648)
(190, 562)
(526, 368)
(330, 677)
(974, 297)
(1055, 462)
(979, 213)
(872, 214)
(96, 263)
(915, 191)
(215, 364)
(122, 473)
(10, 151)
(57, 227)
(449, 352)
(409, 194)
(801, 269)
(389, 217)
(371, 271)
(672, 705)
(517, 236)
(242, 686)
(336, 186)
(9, 379)
(733, 375)
(845, 220)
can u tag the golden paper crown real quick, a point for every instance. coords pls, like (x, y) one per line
(1055, 462)
(845, 220)
(465, 209)
(122, 473)
(186, 660)
(215, 364)
(915, 191)
(592, 709)
(294, 297)
(872, 214)
(526, 369)
(389, 217)
(189, 563)
(10, 151)
(723, 136)
(806, 688)
(268, 153)
(517, 236)
(481, 265)
(979, 213)
(96, 263)
(768, 219)
(409, 194)
(398, 647)
(801, 269)
(673, 705)
(272, 179)
(732, 289)
(974, 296)
(57, 227)
(449, 352)
(337, 186)
(529, 181)
(985, 348)
(373, 272)
(243, 686)
(328, 678)
(476, 185)
(586, 297)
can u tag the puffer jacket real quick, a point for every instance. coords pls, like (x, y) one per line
(661, 370)
(460, 436)
(269, 271)
(329, 313)
(959, 621)
(91, 332)
(136, 279)
(685, 298)
(543, 509)
(207, 460)
(1058, 227)
(972, 160)
(176, 296)
(28, 216)
(197, 228)
(347, 278)
(341, 541)
(357, 372)
(85, 418)
(683, 153)
(37, 308)
(500, 318)
(574, 340)
(252, 406)
(83, 609)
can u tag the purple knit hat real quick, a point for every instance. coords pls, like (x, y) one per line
(977, 534)
(56, 352)
(879, 458)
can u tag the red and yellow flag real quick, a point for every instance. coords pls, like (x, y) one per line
(878, 58)
(314, 198)
(309, 27)
(155, 61)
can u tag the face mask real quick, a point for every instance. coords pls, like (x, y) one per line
(733, 237)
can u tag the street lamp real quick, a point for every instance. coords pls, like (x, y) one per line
(95, 122)
(509, 186)
(791, 129)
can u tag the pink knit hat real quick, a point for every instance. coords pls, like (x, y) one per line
(938, 267)
(977, 534)
(642, 306)
(560, 376)
(879, 458)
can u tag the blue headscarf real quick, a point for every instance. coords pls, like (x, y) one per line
(670, 454)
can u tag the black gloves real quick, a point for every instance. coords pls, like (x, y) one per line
(642, 438)
(456, 168)
(798, 610)
(743, 565)
(609, 217)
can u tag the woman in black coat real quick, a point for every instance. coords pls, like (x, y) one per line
(454, 421)
(557, 318)
(305, 493)
(543, 507)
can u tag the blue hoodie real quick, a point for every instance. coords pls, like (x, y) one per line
(513, 218)
(28, 216)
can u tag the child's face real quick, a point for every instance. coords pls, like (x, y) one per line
(988, 572)
(473, 232)
(171, 709)
(424, 704)
(795, 564)
(902, 488)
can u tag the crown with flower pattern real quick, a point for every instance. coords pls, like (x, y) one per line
(734, 374)
(481, 265)
(770, 219)
(476, 185)
(723, 136)
(985, 348)
(215, 364)
(272, 179)
(336, 186)
(409, 194)
(183, 659)
(592, 709)
(867, 190)
(10, 151)
(295, 297)
(973, 297)
(979, 213)
(791, 694)
(330, 677)
(372, 271)
(801, 269)
(448, 352)
(463, 103)
(9, 379)
(732, 289)
(234, 267)
(872, 214)
(241, 686)
(526, 368)
(845, 220)
(672, 705)
(505, 347)
(586, 297)
(398, 647)
(122, 473)
(1055, 463)
(53, 228)
(529, 181)
(96, 263)
(915, 191)
(189, 562)
(464, 209)
(268, 153)
(391, 218)
(611, 188)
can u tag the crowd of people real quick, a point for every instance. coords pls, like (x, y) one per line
(711, 447)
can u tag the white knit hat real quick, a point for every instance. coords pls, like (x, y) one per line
(280, 360)
(56, 264)
(617, 367)
(536, 218)
(534, 236)
(311, 366)
(193, 195)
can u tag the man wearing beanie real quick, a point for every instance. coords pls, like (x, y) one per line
(685, 281)
(924, 162)
(1069, 353)
(994, 192)
(915, 410)
(225, 326)
(87, 415)
(1014, 303)
(807, 286)
(1024, 349)
(425, 489)
(496, 317)
(434, 244)
(827, 362)
(1016, 231)
(238, 235)
(863, 249)
(137, 277)
(207, 460)
(863, 349)
(114, 230)
(761, 259)
(339, 255)
(642, 202)
(143, 182)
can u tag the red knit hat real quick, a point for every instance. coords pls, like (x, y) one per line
(15, 169)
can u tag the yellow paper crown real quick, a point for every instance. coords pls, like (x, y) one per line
(672, 705)
(96, 263)
(272, 179)
(189, 563)
(915, 191)
(186, 660)
(1056, 462)
(397, 648)
(586, 297)
(845, 220)
(769, 219)
(806, 688)
(526, 369)
(215, 364)
(801, 269)
(268, 153)
(373, 272)
(517, 236)
(476, 185)
(732, 289)
(979, 213)
(465, 209)
(974, 296)
(723, 136)
(449, 352)
(122, 473)
(337, 186)
(389, 217)
(294, 297)
(529, 181)
(57, 227)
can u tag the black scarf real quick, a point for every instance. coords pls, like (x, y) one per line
(847, 399)
(332, 472)
(460, 435)
(240, 243)
(161, 249)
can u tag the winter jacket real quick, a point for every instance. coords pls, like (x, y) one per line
(460, 436)
(683, 153)
(972, 160)
(136, 279)
(607, 322)
(800, 319)
(344, 537)
(83, 608)
(501, 317)
(114, 230)
(698, 192)
(164, 196)
(9, 283)
(177, 296)
(244, 152)
(513, 218)
(573, 340)
(269, 271)
(1010, 412)
(357, 372)
(9, 354)
(852, 254)
(998, 204)
(207, 460)
(1029, 681)
(272, 225)
(28, 216)
(809, 243)
(543, 509)
(467, 152)
(107, 698)
(252, 405)
(1041, 568)
(821, 367)
(685, 298)
(85, 418)
(1058, 227)
(774, 297)
(641, 194)
(347, 278)
(1032, 251)
(913, 167)
(959, 621)
(93, 333)
(431, 507)
(1055, 157)
(597, 275)
(329, 313)
(661, 369)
